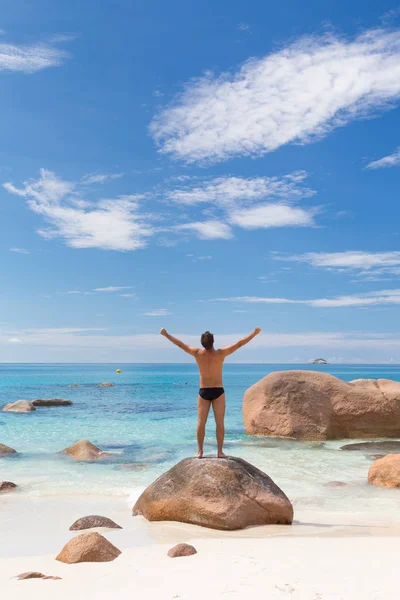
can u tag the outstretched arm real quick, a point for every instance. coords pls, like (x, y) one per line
(231, 349)
(179, 343)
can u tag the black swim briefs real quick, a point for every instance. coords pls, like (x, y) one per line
(211, 393)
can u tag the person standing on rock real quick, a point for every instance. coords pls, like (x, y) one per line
(210, 363)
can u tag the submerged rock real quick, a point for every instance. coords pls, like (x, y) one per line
(35, 575)
(6, 450)
(106, 384)
(385, 472)
(310, 405)
(217, 493)
(85, 450)
(387, 447)
(88, 547)
(52, 402)
(7, 486)
(182, 550)
(19, 406)
(93, 521)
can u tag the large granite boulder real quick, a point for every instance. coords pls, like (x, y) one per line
(6, 450)
(51, 402)
(19, 406)
(84, 450)
(88, 547)
(7, 486)
(92, 521)
(310, 405)
(217, 493)
(385, 472)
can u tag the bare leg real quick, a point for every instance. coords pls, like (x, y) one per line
(203, 410)
(219, 415)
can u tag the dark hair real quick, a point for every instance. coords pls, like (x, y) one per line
(207, 340)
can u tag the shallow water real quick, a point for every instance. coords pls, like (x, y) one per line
(147, 421)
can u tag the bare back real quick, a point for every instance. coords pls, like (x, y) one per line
(210, 363)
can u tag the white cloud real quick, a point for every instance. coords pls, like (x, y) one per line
(296, 95)
(393, 160)
(243, 27)
(272, 215)
(114, 288)
(130, 295)
(227, 191)
(366, 263)
(20, 250)
(368, 299)
(90, 178)
(29, 59)
(157, 312)
(110, 224)
(14, 340)
(208, 230)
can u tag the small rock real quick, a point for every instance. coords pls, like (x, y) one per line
(335, 484)
(182, 550)
(93, 521)
(88, 547)
(385, 472)
(375, 456)
(7, 486)
(84, 450)
(52, 402)
(6, 450)
(35, 575)
(74, 385)
(386, 447)
(19, 406)
(106, 384)
(134, 467)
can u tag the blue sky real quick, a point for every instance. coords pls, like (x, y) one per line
(199, 166)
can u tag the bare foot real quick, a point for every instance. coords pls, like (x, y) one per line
(222, 455)
(199, 454)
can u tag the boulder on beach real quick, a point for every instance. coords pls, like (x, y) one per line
(106, 384)
(7, 486)
(310, 405)
(19, 406)
(84, 450)
(35, 575)
(217, 493)
(385, 472)
(92, 521)
(386, 447)
(88, 547)
(51, 402)
(6, 450)
(182, 550)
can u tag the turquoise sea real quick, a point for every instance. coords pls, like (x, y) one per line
(148, 420)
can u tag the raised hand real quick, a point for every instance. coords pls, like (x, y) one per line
(163, 331)
(257, 330)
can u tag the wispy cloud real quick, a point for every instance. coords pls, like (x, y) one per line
(110, 224)
(393, 160)
(201, 258)
(365, 264)
(20, 250)
(91, 178)
(113, 288)
(272, 215)
(157, 312)
(129, 295)
(207, 230)
(243, 27)
(296, 95)
(29, 59)
(367, 299)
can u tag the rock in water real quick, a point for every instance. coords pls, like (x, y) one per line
(84, 450)
(106, 384)
(93, 521)
(52, 402)
(386, 447)
(7, 486)
(6, 450)
(310, 405)
(19, 406)
(88, 547)
(385, 472)
(217, 493)
(182, 550)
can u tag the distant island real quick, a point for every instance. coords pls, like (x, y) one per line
(318, 361)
